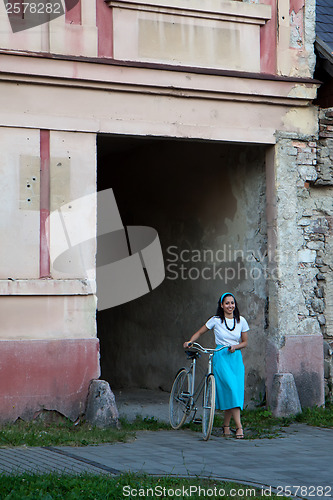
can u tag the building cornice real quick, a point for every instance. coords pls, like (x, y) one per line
(108, 74)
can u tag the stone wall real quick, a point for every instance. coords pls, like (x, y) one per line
(295, 343)
(324, 186)
(313, 160)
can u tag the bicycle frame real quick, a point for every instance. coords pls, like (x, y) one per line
(194, 394)
(184, 396)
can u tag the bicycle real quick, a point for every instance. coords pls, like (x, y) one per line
(183, 396)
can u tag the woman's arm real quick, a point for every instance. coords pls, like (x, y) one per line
(196, 335)
(241, 345)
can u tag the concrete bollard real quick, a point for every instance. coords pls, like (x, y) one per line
(284, 399)
(101, 409)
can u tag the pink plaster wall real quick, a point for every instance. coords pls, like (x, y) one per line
(73, 12)
(268, 41)
(104, 21)
(301, 355)
(42, 374)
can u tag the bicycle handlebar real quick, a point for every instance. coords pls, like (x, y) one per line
(206, 350)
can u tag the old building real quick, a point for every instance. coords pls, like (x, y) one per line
(200, 117)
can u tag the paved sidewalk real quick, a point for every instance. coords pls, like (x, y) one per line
(302, 457)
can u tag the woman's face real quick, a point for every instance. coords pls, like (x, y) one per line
(228, 304)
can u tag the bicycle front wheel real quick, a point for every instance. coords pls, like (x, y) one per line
(208, 406)
(179, 399)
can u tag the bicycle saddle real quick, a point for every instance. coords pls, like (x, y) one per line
(193, 354)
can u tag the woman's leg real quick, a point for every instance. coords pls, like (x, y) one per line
(235, 413)
(227, 417)
(236, 416)
(226, 423)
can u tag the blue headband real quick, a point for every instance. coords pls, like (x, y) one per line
(228, 293)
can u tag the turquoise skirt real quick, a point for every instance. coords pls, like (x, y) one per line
(229, 372)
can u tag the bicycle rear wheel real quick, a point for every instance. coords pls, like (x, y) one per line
(179, 399)
(208, 406)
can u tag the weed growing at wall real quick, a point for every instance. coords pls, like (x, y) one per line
(318, 416)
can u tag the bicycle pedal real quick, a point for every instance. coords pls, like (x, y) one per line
(197, 421)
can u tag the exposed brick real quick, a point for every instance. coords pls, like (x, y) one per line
(298, 144)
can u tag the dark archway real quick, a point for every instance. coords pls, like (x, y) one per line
(202, 198)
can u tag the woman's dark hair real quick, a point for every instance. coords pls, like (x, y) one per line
(220, 312)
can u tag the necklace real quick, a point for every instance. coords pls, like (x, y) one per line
(230, 329)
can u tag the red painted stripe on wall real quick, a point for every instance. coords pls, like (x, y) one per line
(104, 21)
(73, 15)
(268, 42)
(44, 236)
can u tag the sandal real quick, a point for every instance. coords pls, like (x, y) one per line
(239, 436)
(226, 434)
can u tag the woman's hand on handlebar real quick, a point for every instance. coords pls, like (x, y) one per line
(187, 344)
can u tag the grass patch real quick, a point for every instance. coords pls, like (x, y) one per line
(261, 423)
(64, 433)
(67, 433)
(317, 416)
(104, 487)
(144, 424)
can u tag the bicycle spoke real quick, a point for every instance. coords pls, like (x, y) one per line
(179, 404)
(208, 407)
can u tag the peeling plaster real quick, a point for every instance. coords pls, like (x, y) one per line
(303, 120)
(296, 30)
(303, 91)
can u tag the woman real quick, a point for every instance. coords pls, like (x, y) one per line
(230, 329)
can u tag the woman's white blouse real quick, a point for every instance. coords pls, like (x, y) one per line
(223, 336)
